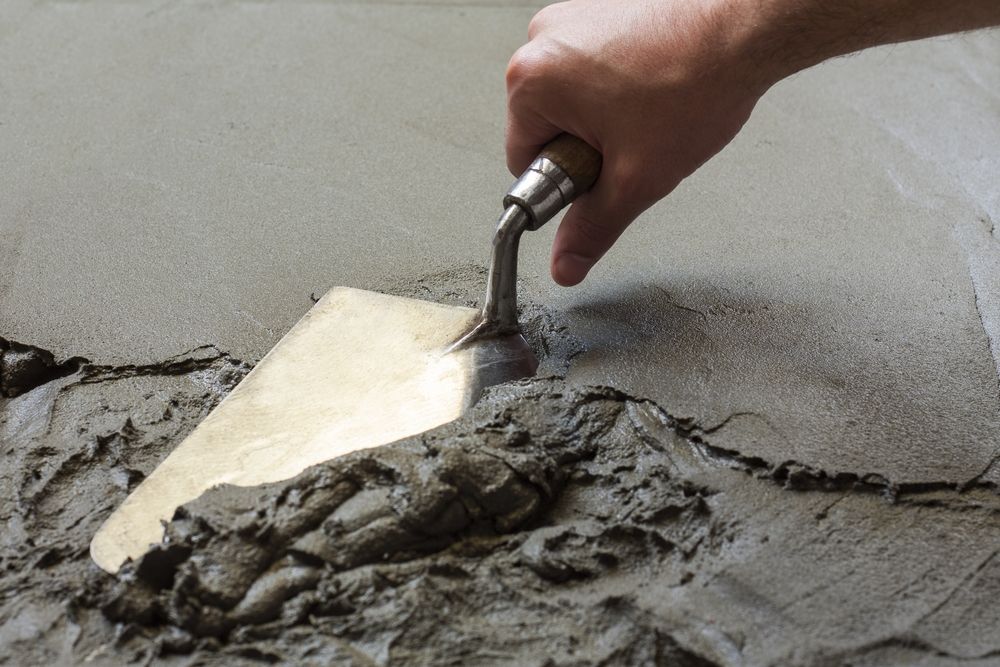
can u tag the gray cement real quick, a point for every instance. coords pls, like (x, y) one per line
(570, 526)
(814, 317)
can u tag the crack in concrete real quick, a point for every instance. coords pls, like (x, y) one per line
(25, 367)
(795, 475)
(666, 296)
(982, 256)
(907, 644)
(197, 359)
(958, 586)
(400, 528)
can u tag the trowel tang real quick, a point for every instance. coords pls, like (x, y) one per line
(360, 369)
(566, 168)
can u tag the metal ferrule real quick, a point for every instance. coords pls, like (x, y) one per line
(542, 191)
(499, 316)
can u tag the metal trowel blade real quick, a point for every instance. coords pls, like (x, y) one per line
(360, 369)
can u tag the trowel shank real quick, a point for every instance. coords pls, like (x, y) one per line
(361, 369)
(566, 168)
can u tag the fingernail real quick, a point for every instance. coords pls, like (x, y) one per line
(571, 268)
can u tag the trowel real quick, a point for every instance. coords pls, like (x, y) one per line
(360, 369)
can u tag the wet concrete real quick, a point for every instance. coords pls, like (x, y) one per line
(803, 339)
(551, 525)
(72, 449)
(580, 524)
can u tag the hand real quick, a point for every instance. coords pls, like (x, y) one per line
(658, 86)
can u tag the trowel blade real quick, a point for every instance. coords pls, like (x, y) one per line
(360, 369)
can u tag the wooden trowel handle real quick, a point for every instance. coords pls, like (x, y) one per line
(564, 170)
(580, 160)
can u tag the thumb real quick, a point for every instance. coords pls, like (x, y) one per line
(590, 227)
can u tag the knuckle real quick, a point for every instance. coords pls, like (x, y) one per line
(639, 182)
(538, 21)
(533, 65)
(520, 67)
(628, 180)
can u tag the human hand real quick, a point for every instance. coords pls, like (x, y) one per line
(660, 86)
(657, 86)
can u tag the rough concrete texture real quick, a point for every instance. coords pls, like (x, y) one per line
(552, 525)
(572, 525)
(797, 463)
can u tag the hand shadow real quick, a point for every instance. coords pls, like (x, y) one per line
(836, 383)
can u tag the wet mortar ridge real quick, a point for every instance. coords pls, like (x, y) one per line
(24, 367)
(578, 523)
(822, 299)
(547, 330)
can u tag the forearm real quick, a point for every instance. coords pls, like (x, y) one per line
(791, 35)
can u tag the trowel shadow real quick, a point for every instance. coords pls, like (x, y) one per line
(712, 353)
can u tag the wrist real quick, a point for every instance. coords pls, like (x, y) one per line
(782, 37)
(788, 36)
(755, 39)
(778, 38)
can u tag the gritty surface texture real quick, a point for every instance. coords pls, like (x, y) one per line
(551, 525)
(818, 308)
(189, 173)
(72, 447)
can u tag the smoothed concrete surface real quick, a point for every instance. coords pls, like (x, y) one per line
(822, 297)
(190, 174)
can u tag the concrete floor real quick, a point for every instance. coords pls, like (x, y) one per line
(190, 173)
(823, 294)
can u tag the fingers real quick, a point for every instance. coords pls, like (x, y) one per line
(527, 130)
(584, 235)
(527, 133)
(535, 73)
(541, 79)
